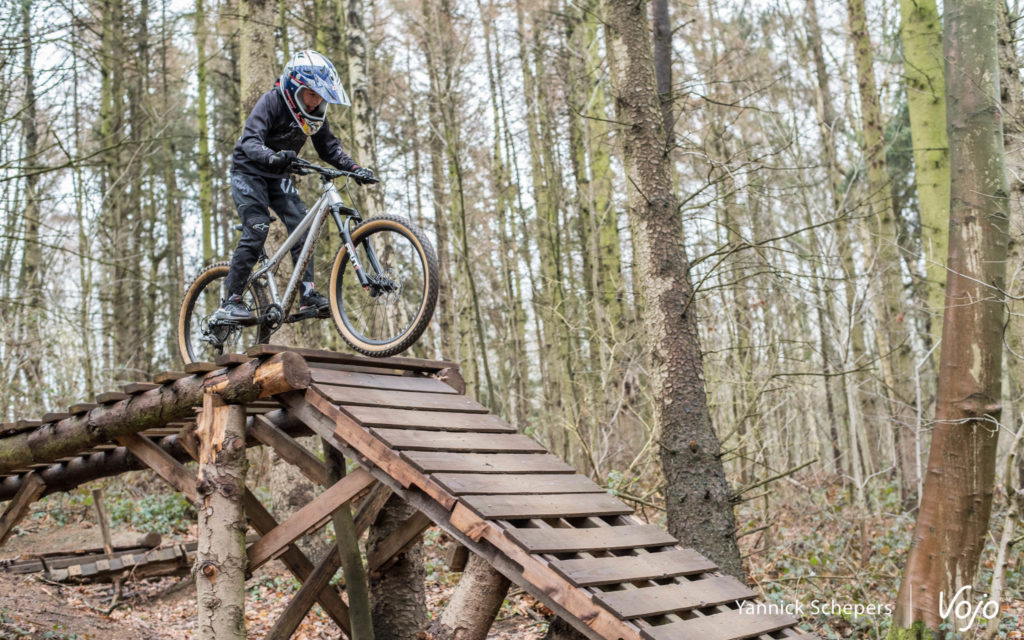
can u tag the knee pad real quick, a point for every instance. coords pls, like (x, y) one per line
(255, 222)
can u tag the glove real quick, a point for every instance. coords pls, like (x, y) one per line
(282, 159)
(363, 175)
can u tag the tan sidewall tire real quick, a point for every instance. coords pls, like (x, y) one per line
(213, 271)
(429, 299)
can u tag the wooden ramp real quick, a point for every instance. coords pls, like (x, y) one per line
(553, 532)
(499, 493)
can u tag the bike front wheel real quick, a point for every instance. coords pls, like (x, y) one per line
(201, 341)
(389, 314)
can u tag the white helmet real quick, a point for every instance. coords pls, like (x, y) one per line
(310, 71)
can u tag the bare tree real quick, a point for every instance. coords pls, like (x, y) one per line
(953, 522)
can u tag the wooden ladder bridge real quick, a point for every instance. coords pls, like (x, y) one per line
(407, 423)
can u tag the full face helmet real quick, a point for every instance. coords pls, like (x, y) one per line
(310, 71)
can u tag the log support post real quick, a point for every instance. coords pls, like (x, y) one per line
(474, 605)
(350, 558)
(220, 558)
(101, 516)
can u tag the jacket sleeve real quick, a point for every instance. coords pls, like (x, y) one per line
(328, 147)
(254, 135)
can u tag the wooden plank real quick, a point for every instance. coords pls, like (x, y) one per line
(454, 441)
(165, 466)
(110, 396)
(55, 417)
(32, 487)
(317, 355)
(436, 461)
(289, 449)
(169, 376)
(647, 566)
(201, 367)
(666, 598)
(82, 407)
(225, 359)
(385, 551)
(573, 505)
(309, 518)
(355, 396)
(139, 387)
(516, 483)
(420, 384)
(299, 605)
(604, 538)
(731, 625)
(429, 420)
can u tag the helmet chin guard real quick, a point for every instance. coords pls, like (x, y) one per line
(308, 70)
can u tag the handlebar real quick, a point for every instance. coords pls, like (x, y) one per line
(304, 167)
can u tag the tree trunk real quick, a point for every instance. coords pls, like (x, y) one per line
(473, 605)
(203, 161)
(398, 595)
(1013, 137)
(826, 125)
(952, 524)
(926, 99)
(220, 557)
(879, 238)
(30, 281)
(364, 133)
(696, 488)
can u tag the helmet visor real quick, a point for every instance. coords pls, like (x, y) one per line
(322, 80)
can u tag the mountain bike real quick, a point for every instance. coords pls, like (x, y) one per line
(382, 292)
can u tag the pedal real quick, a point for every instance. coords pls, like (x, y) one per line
(301, 315)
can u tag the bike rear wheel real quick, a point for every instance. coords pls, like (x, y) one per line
(388, 316)
(198, 341)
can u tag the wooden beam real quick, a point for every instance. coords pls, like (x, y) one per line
(31, 488)
(370, 506)
(457, 557)
(387, 550)
(289, 449)
(309, 518)
(163, 464)
(299, 605)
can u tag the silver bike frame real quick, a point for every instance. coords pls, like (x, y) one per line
(315, 218)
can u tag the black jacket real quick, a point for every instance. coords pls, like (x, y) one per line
(271, 128)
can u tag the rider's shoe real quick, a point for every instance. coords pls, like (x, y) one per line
(232, 309)
(314, 303)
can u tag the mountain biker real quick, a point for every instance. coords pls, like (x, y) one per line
(277, 128)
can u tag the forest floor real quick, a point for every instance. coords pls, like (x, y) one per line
(819, 557)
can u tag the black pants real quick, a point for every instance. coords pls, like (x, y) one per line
(253, 195)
